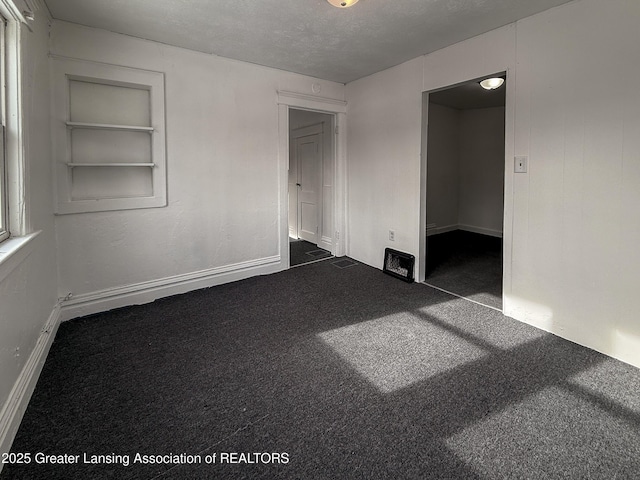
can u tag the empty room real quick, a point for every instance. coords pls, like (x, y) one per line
(225, 229)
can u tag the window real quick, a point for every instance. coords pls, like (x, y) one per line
(4, 197)
(14, 211)
(109, 142)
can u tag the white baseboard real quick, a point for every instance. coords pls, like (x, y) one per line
(15, 406)
(484, 231)
(467, 228)
(438, 230)
(146, 292)
(326, 243)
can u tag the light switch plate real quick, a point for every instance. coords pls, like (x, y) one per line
(520, 164)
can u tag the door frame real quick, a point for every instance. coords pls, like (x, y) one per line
(507, 214)
(337, 108)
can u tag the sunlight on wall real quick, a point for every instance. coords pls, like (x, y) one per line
(395, 351)
(625, 346)
(530, 312)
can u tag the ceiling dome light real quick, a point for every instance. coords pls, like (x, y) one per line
(491, 83)
(342, 3)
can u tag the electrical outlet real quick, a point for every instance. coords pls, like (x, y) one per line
(392, 235)
(520, 164)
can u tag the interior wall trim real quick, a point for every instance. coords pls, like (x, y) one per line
(482, 230)
(146, 292)
(15, 406)
(312, 102)
(443, 229)
(338, 108)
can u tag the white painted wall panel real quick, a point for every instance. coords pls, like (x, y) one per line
(489, 53)
(583, 173)
(222, 152)
(383, 143)
(481, 187)
(465, 171)
(443, 169)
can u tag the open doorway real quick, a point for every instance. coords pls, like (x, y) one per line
(310, 182)
(465, 191)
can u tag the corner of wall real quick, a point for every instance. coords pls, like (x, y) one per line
(16, 405)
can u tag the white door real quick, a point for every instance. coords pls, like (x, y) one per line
(308, 159)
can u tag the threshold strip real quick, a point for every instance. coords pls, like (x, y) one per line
(460, 296)
(312, 261)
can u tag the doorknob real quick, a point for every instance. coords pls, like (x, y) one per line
(298, 185)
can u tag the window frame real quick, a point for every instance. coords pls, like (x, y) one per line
(5, 231)
(15, 207)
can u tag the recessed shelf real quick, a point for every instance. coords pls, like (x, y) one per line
(104, 126)
(108, 137)
(121, 164)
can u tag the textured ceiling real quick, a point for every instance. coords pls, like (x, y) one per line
(303, 36)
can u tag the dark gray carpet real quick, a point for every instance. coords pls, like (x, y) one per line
(467, 264)
(350, 372)
(302, 252)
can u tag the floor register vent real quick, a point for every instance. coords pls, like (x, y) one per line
(399, 264)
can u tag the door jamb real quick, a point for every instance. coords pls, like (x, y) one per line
(337, 108)
(507, 218)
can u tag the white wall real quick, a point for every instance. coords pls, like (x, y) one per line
(465, 169)
(383, 143)
(28, 290)
(572, 265)
(223, 179)
(576, 228)
(481, 181)
(443, 175)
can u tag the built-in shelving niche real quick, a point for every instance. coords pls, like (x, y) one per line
(109, 137)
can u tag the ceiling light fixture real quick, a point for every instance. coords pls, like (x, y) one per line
(342, 3)
(492, 83)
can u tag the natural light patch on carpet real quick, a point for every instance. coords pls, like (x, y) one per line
(399, 350)
(551, 434)
(612, 382)
(480, 326)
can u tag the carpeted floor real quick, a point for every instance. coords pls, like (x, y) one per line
(302, 252)
(467, 264)
(343, 372)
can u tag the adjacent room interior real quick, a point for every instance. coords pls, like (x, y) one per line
(310, 194)
(465, 190)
